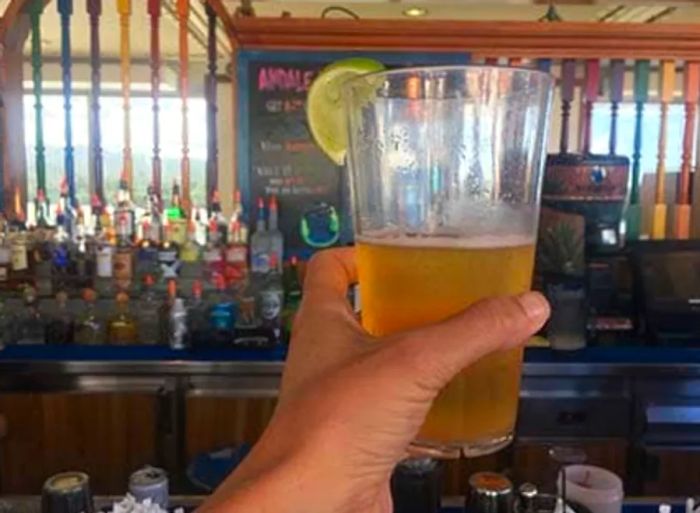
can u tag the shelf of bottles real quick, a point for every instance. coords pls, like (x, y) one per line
(121, 273)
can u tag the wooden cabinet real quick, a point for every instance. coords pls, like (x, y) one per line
(531, 461)
(214, 420)
(107, 435)
(668, 471)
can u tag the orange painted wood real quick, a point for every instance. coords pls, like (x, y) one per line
(183, 14)
(590, 93)
(483, 39)
(667, 80)
(691, 94)
(124, 10)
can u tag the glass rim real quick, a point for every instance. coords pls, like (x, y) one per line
(347, 86)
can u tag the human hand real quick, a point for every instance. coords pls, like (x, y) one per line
(350, 404)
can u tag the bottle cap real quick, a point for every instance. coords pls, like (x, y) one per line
(89, 295)
(489, 492)
(172, 288)
(67, 492)
(149, 280)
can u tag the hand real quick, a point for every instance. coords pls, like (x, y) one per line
(350, 404)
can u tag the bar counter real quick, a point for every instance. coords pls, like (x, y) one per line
(266, 364)
(634, 410)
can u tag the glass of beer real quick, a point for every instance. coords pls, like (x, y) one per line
(445, 170)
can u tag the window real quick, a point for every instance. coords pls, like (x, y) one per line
(600, 133)
(112, 128)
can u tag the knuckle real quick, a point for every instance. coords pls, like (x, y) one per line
(503, 314)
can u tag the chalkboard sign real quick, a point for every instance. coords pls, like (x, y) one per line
(277, 155)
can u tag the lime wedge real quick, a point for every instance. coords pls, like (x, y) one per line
(324, 105)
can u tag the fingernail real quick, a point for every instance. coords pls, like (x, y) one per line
(534, 304)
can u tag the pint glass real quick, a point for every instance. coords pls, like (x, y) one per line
(445, 169)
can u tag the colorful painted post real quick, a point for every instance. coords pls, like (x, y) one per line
(590, 93)
(35, 9)
(94, 10)
(65, 10)
(212, 178)
(666, 88)
(691, 93)
(183, 13)
(124, 10)
(641, 95)
(154, 11)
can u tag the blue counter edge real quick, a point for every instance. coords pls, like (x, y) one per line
(603, 355)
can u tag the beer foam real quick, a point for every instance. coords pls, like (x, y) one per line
(484, 241)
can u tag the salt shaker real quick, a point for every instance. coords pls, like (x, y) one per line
(150, 483)
(67, 492)
(416, 486)
(489, 492)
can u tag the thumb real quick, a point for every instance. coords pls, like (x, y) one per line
(436, 353)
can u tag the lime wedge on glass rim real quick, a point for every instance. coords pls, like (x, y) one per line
(324, 104)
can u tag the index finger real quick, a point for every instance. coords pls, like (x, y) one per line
(329, 274)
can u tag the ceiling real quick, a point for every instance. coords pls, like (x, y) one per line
(569, 10)
(520, 10)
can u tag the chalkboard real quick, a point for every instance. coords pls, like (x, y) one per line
(277, 155)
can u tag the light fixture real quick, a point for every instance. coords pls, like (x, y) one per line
(415, 12)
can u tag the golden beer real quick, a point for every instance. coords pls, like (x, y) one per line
(407, 282)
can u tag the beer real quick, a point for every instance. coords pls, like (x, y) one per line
(408, 282)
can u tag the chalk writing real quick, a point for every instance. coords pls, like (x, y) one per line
(284, 79)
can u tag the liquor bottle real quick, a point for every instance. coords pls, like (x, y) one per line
(169, 256)
(222, 314)
(238, 216)
(89, 325)
(292, 294)
(270, 300)
(123, 259)
(274, 235)
(174, 319)
(66, 208)
(8, 324)
(153, 212)
(147, 253)
(198, 330)
(5, 255)
(97, 209)
(121, 327)
(82, 259)
(60, 257)
(212, 255)
(60, 325)
(148, 313)
(217, 217)
(236, 259)
(176, 216)
(30, 325)
(41, 252)
(190, 257)
(42, 207)
(104, 263)
(125, 212)
(260, 244)
(20, 272)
